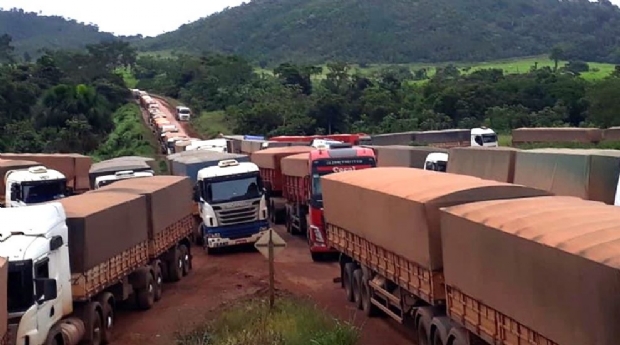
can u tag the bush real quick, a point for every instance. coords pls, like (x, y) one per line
(292, 322)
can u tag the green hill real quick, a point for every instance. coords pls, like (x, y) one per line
(402, 31)
(31, 32)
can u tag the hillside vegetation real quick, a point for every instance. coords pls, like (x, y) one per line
(31, 32)
(397, 31)
(69, 102)
(289, 100)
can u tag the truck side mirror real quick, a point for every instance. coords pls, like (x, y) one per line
(55, 243)
(46, 289)
(196, 194)
(15, 192)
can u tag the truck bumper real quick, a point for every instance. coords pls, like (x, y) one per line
(219, 237)
(322, 248)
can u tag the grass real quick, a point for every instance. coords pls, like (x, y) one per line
(509, 66)
(292, 322)
(212, 123)
(130, 136)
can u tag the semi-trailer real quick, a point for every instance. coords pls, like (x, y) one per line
(391, 254)
(538, 271)
(4, 317)
(302, 190)
(481, 136)
(496, 163)
(269, 163)
(110, 171)
(68, 270)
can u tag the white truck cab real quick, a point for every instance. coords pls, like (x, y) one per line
(232, 204)
(217, 145)
(183, 113)
(484, 136)
(436, 161)
(121, 175)
(33, 186)
(34, 239)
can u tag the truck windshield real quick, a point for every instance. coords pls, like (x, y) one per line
(232, 188)
(489, 138)
(43, 191)
(21, 286)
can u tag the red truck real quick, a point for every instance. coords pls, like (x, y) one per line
(303, 194)
(268, 162)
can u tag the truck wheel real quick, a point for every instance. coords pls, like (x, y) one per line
(316, 257)
(159, 281)
(185, 258)
(175, 266)
(145, 297)
(347, 278)
(54, 336)
(369, 309)
(107, 307)
(356, 287)
(199, 240)
(94, 324)
(423, 338)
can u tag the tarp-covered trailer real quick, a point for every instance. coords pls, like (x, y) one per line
(111, 167)
(404, 156)
(489, 163)
(587, 174)
(189, 165)
(251, 146)
(4, 317)
(539, 270)
(269, 163)
(556, 135)
(148, 160)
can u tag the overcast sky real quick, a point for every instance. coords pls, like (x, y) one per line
(130, 17)
(127, 17)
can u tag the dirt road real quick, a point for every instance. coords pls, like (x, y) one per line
(216, 280)
(169, 110)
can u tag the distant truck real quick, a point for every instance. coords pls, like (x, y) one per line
(481, 136)
(217, 145)
(303, 193)
(183, 113)
(110, 171)
(69, 271)
(392, 255)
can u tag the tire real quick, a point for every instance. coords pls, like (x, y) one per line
(94, 324)
(185, 258)
(368, 308)
(347, 279)
(106, 300)
(175, 266)
(356, 284)
(159, 282)
(52, 337)
(145, 297)
(316, 257)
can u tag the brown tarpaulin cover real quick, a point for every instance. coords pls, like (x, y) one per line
(404, 156)
(4, 283)
(404, 138)
(250, 146)
(398, 208)
(611, 134)
(102, 225)
(586, 174)
(148, 160)
(74, 166)
(493, 163)
(296, 165)
(7, 165)
(551, 263)
(270, 158)
(168, 198)
(443, 136)
(557, 135)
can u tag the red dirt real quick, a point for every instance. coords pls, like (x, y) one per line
(224, 278)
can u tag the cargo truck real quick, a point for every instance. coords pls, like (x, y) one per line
(4, 319)
(481, 136)
(269, 163)
(68, 271)
(302, 190)
(540, 271)
(110, 171)
(73, 168)
(391, 257)
(232, 204)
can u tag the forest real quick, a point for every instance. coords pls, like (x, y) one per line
(306, 99)
(270, 32)
(69, 102)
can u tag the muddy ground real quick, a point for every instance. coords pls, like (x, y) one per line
(224, 278)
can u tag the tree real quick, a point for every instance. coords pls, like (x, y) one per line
(557, 54)
(6, 49)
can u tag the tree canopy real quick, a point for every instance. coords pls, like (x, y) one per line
(393, 31)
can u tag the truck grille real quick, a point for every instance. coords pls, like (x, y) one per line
(237, 215)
